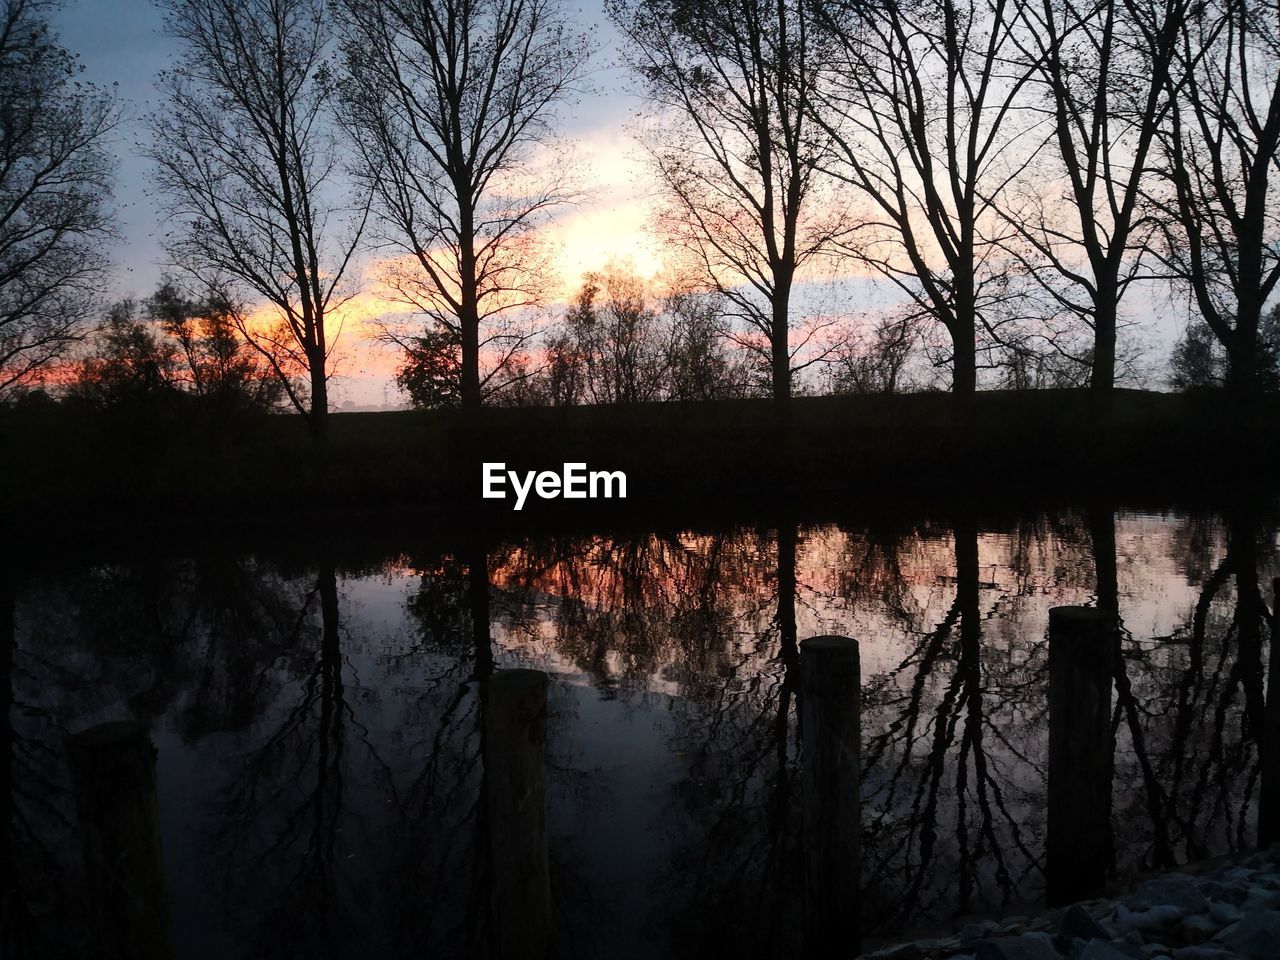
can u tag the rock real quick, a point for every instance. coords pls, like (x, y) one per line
(1012, 924)
(971, 933)
(1197, 928)
(1042, 937)
(1222, 892)
(1264, 859)
(1256, 937)
(1205, 952)
(1153, 920)
(1258, 898)
(1018, 948)
(1224, 914)
(1175, 890)
(1076, 924)
(940, 945)
(1229, 874)
(1102, 950)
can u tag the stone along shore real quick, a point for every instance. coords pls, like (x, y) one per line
(1227, 912)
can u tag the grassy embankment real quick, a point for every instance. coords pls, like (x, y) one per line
(71, 470)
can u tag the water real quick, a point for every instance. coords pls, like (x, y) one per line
(320, 766)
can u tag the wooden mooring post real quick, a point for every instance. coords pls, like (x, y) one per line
(1269, 801)
(515, 731)
(113, 767)
(830, 730)
(1081, 750)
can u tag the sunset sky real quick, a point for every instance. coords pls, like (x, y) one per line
(121, 42)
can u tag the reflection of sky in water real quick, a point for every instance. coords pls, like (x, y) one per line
(673, 790)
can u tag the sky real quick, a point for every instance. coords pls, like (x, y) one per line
(121, 42)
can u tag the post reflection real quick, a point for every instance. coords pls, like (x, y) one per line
(326, 765)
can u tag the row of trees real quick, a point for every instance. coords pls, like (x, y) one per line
(1012, 167)
(1016, 165)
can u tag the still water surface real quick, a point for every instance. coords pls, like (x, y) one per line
(320, 765)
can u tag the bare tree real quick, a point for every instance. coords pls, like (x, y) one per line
(741, 158)
(55, 181)
(449, 103)
(620, 337)
(246, 162)
(879, 360)
(1220, 150)
(1107, 69)
(922, 102)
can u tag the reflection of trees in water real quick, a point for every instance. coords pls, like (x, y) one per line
(950, 780)
(284, 821)
(160, 636)
(435, 840)
(628, 611)
(1199, 698)
(734, 874)
(34, 809)
(321, 807)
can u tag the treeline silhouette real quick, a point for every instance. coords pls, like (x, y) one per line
(1018, 172)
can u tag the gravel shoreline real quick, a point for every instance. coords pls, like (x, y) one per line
(1229, 912)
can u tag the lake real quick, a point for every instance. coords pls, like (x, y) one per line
(320, 757)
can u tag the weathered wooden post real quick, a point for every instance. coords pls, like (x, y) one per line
(1081, 748)
(114, 770)
(515, 731)
(1269, 801)
(830, 729)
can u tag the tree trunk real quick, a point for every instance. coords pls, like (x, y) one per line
(1242, 353)
(964, 362)
(471, 362)
(469, 314)
(1102, 374)
(780, 342)
(318, 417)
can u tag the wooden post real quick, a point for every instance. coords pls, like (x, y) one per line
(830, 730)
(515, 731)
(114, 770)
(1081, 748)
(1269, 801)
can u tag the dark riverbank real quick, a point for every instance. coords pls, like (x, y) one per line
(78, 471)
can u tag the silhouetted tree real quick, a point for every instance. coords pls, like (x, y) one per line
(920, 105)
(217, 367)
(1219, 156)
(878, 362)
(733, 85)
(173, 349)
(619, 338)
(625, 339)
(1106, 71)
(55, 181)
(450, 104)
(130, 362)
(704, 364)
(245, 164)
(1199, 360)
